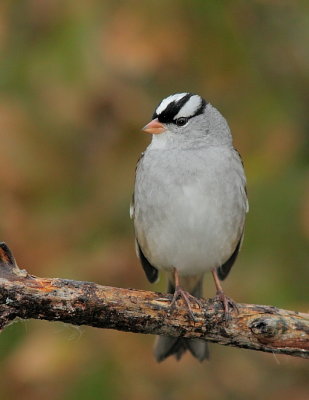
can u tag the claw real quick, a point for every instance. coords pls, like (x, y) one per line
(227, 302)
(188, 298)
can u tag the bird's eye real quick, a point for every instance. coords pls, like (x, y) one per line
(181, 121)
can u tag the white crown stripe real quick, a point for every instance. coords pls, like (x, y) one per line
(164, 103)
(190, 107)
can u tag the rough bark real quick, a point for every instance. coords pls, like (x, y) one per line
(255, 327)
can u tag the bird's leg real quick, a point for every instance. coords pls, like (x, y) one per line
(179, 292)
(226, 301)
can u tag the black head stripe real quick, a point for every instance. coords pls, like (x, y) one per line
(173, 108)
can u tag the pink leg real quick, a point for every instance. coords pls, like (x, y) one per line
(226, 301)
(188, 298)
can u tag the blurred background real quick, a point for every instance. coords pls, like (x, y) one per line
(78, 80)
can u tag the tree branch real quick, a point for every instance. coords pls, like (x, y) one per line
(255, 327)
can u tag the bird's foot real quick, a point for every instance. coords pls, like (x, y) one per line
(188, 298)
(228, 304)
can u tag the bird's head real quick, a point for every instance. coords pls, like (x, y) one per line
(187, 118)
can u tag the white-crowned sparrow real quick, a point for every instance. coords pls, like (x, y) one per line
(189, 204)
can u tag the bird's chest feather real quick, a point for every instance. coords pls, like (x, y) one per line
(183, 186)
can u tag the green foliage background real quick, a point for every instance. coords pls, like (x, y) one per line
(78, 80)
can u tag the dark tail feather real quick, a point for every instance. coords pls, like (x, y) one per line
(166, 346)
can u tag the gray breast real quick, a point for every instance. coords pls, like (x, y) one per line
(189, 207)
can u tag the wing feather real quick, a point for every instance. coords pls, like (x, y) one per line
(151, 272)
(225, 268)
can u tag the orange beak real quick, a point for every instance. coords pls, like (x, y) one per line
(154, 127)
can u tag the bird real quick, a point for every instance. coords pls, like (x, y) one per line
(188, 206)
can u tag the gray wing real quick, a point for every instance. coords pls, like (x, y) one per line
(225, 268)
(132, 201)
(151, 272)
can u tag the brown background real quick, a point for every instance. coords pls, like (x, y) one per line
(78, 80)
